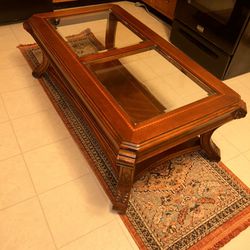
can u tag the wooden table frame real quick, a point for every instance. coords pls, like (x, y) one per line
(131, 147)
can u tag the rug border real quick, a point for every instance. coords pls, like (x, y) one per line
(215, 240)
(222, 235)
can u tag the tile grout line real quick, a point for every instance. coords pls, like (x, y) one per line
(33, 149)
(83, 235)
(40, 204)
(19, 89)
(31, 179)
(62, 184)
(30, 114)
(19, 202)
(4, 109)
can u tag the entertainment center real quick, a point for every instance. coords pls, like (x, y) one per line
(216, 34)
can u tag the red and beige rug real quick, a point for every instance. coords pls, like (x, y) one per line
(184, 203)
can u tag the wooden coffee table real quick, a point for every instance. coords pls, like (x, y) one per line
(143, 98)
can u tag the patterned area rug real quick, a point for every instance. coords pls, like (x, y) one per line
(184, 203)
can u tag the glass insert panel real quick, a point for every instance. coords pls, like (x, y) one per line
(146, 84)
(95, 32)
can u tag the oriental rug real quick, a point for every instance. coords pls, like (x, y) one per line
(184, 203)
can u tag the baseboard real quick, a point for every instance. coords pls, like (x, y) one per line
(78, 3)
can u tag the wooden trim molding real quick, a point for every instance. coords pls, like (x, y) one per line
(62, 1)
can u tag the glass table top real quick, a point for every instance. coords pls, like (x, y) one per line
(146, 84)
(135, 72)
(94, 25)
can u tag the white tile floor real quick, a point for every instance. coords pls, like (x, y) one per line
(49, 198)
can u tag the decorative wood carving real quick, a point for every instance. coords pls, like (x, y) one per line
(239, 113)
(126, 161)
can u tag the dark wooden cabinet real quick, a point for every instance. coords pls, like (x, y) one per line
(165, 7)
(61, 4)
(16, 10)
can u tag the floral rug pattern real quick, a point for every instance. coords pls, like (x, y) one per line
(175, 205)
(184, 194)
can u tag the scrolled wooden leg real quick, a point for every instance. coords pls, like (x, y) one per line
(207, 144)
(126, 165)
(41, 69)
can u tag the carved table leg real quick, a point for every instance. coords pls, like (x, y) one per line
(212, 151)
(126, 166)
(111, 31)
(40, 69)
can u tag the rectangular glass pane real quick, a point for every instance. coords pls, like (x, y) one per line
(146, 84)
(100, 31)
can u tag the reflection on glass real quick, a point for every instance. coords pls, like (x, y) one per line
(95, 32)
(146, 84)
